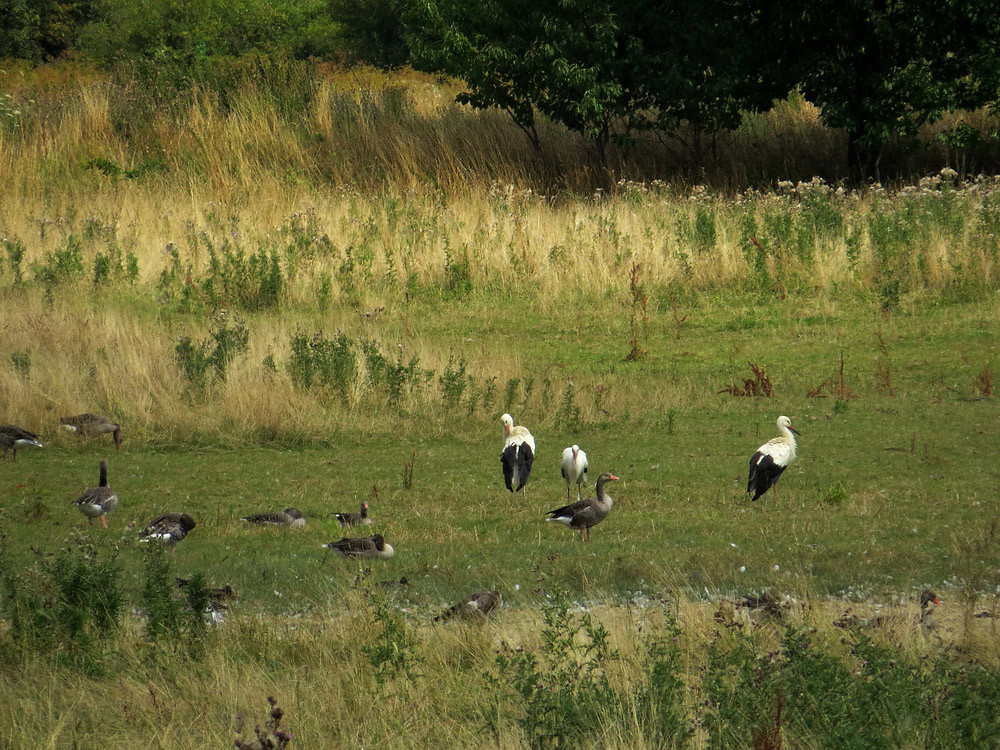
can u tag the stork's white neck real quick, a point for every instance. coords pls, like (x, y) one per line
(789, 437)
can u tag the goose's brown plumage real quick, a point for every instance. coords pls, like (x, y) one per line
(92, 425)
(363, 546)
(927, 598)
(288, 517)
(584, 514)
(97, 502)
(355, 519)
(216, 594)
(476, 606)
(12, 436)
(170, 528)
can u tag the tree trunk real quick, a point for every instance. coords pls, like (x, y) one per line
(601, 141)
(862, 159)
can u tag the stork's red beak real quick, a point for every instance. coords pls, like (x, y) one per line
(794, 430)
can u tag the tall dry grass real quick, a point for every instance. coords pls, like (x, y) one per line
(451, 693)
(387, 208)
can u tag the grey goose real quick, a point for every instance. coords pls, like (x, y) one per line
(169, 528)
(363, 546)
(288, 517)
(98, 501)
(476, 606)
(584, 514)
(15, 437)
(92, 425)
(355, 519)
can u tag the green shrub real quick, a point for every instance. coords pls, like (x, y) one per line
(226, 342)
(69, 604)
(318, 361)
(453, 381)
(563, 692)
(391, 649)
(61, 265)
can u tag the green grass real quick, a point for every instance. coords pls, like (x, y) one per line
(890, 494)
(880, 496)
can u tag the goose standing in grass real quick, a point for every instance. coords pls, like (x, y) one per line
(169, 528)
(91, 425)
(518, 454)
(98, 501)
(288, 517)
(355, 519)
(583, 514)
(475, 606)
(364, 546)
(927, 598)
(771, 459)
(16, 437)
(574, 471)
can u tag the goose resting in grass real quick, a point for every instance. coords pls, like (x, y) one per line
(16, 437)
(771, 459)
(583, 514)
(288, 517)
(518, 454)
(169, 528)
(355, 519)
(216, 594)
(363, 546)
(475, 606)
(574, 470)
(97, 502)
(92, 425)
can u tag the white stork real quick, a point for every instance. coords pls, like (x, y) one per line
(574, 470)
(518, 454)
(771, 459)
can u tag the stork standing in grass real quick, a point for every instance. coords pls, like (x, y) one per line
(518, 454)
(771, 459)
(574, 471)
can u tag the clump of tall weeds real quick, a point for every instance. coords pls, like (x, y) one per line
(562, 691)
(638, 314)
(759, 385)
(69, 604)
(270, 737)
(317, 361)
(197, 358)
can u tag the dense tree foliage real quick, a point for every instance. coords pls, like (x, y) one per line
(877, 68)
(373, 31)
(39, 29)
(609, 69)
(605, 69)
(882, 69)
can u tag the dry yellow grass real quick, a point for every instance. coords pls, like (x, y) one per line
(317, 670)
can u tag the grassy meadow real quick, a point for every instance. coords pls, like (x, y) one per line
(320, 301)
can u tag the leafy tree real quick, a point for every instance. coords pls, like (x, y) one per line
(371, 31)
(605, 69)
(706, 64)
(575, 62)
(41, 29)
(883, 68)
(186, 30)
